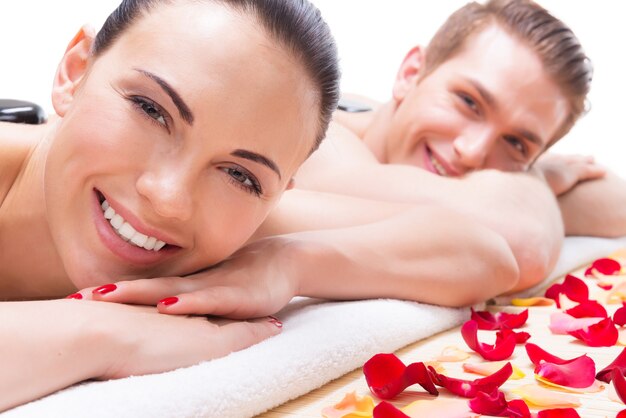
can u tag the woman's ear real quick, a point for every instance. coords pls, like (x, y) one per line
(408, 73)
(291, 184)
(72, 69)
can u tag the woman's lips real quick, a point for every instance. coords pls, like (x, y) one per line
(129, 252)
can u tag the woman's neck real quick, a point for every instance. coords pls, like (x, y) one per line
(29, 265)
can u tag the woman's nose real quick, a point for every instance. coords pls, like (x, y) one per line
(168, 192)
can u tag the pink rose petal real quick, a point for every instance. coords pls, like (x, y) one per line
(562, 323)
(602, 334)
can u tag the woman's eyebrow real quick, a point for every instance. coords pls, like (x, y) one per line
(183, 109)
(257, 158)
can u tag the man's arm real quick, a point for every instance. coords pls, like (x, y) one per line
(595, 207)
(518, 206)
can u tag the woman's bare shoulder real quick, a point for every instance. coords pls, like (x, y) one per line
(16, 143)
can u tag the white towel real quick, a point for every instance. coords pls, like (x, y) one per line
(320, 342)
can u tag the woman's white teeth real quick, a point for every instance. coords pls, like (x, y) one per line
(127, 232)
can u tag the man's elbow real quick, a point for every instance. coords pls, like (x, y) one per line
(493, 271)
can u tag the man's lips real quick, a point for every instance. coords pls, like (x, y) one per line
(438, 165)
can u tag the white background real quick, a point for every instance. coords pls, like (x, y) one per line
(373, 36)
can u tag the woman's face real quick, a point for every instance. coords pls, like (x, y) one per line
(189, 127)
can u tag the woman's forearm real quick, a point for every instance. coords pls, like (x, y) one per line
(45, 347)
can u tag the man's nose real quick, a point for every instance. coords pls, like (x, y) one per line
(473, 148)
(169, 192)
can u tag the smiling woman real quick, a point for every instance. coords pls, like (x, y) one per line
(177, 128)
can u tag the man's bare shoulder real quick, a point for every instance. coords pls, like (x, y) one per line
(355, 112)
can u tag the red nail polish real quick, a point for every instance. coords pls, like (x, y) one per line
(275, 321)
(74, 296)
(103, 290)
(169, 301)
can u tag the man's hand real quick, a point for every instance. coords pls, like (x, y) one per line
(251, 283)
(563, 172)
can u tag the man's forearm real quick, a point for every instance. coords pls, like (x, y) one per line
(518, 206)
(428, 255)
(596, 207)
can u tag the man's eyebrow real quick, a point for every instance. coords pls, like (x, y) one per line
(257, 158)
(183, 109)
(491, 101)
(484, 93)
(525, 133)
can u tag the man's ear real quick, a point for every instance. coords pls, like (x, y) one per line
(408, 73)
(72, 69)
(291, 184)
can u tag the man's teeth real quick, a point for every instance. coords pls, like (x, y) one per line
(127, 232)
(440, 169)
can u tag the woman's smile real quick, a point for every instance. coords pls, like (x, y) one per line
(126, 237)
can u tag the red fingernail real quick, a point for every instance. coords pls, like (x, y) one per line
(103, 290)
(169, 301)
(74, 296)
(275, 321)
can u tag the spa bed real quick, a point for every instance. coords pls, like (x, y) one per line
(322, 341)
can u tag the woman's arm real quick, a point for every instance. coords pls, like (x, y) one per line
(49, 345)
(428, 254)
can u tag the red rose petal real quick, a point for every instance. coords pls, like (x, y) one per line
(605, 286)
(493, 404)
(572, 287)
(387, 376)
(602, 334)
(621, 414)
(387, 410)
(501, 350)
(470, 388)
(537, 355)
(619, 317)
(500, 320)
(607, 266)
(520, 337)
(588, 309)
(619, 383)
(619, 363)
(558, 413)
(517, 408)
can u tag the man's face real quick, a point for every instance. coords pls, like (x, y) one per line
(489, 106)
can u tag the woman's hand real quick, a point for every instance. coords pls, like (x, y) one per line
(563, 172)
(254, 282)
(49, 345)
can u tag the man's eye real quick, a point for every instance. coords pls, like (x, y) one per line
(469, 102)
(517, 144)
